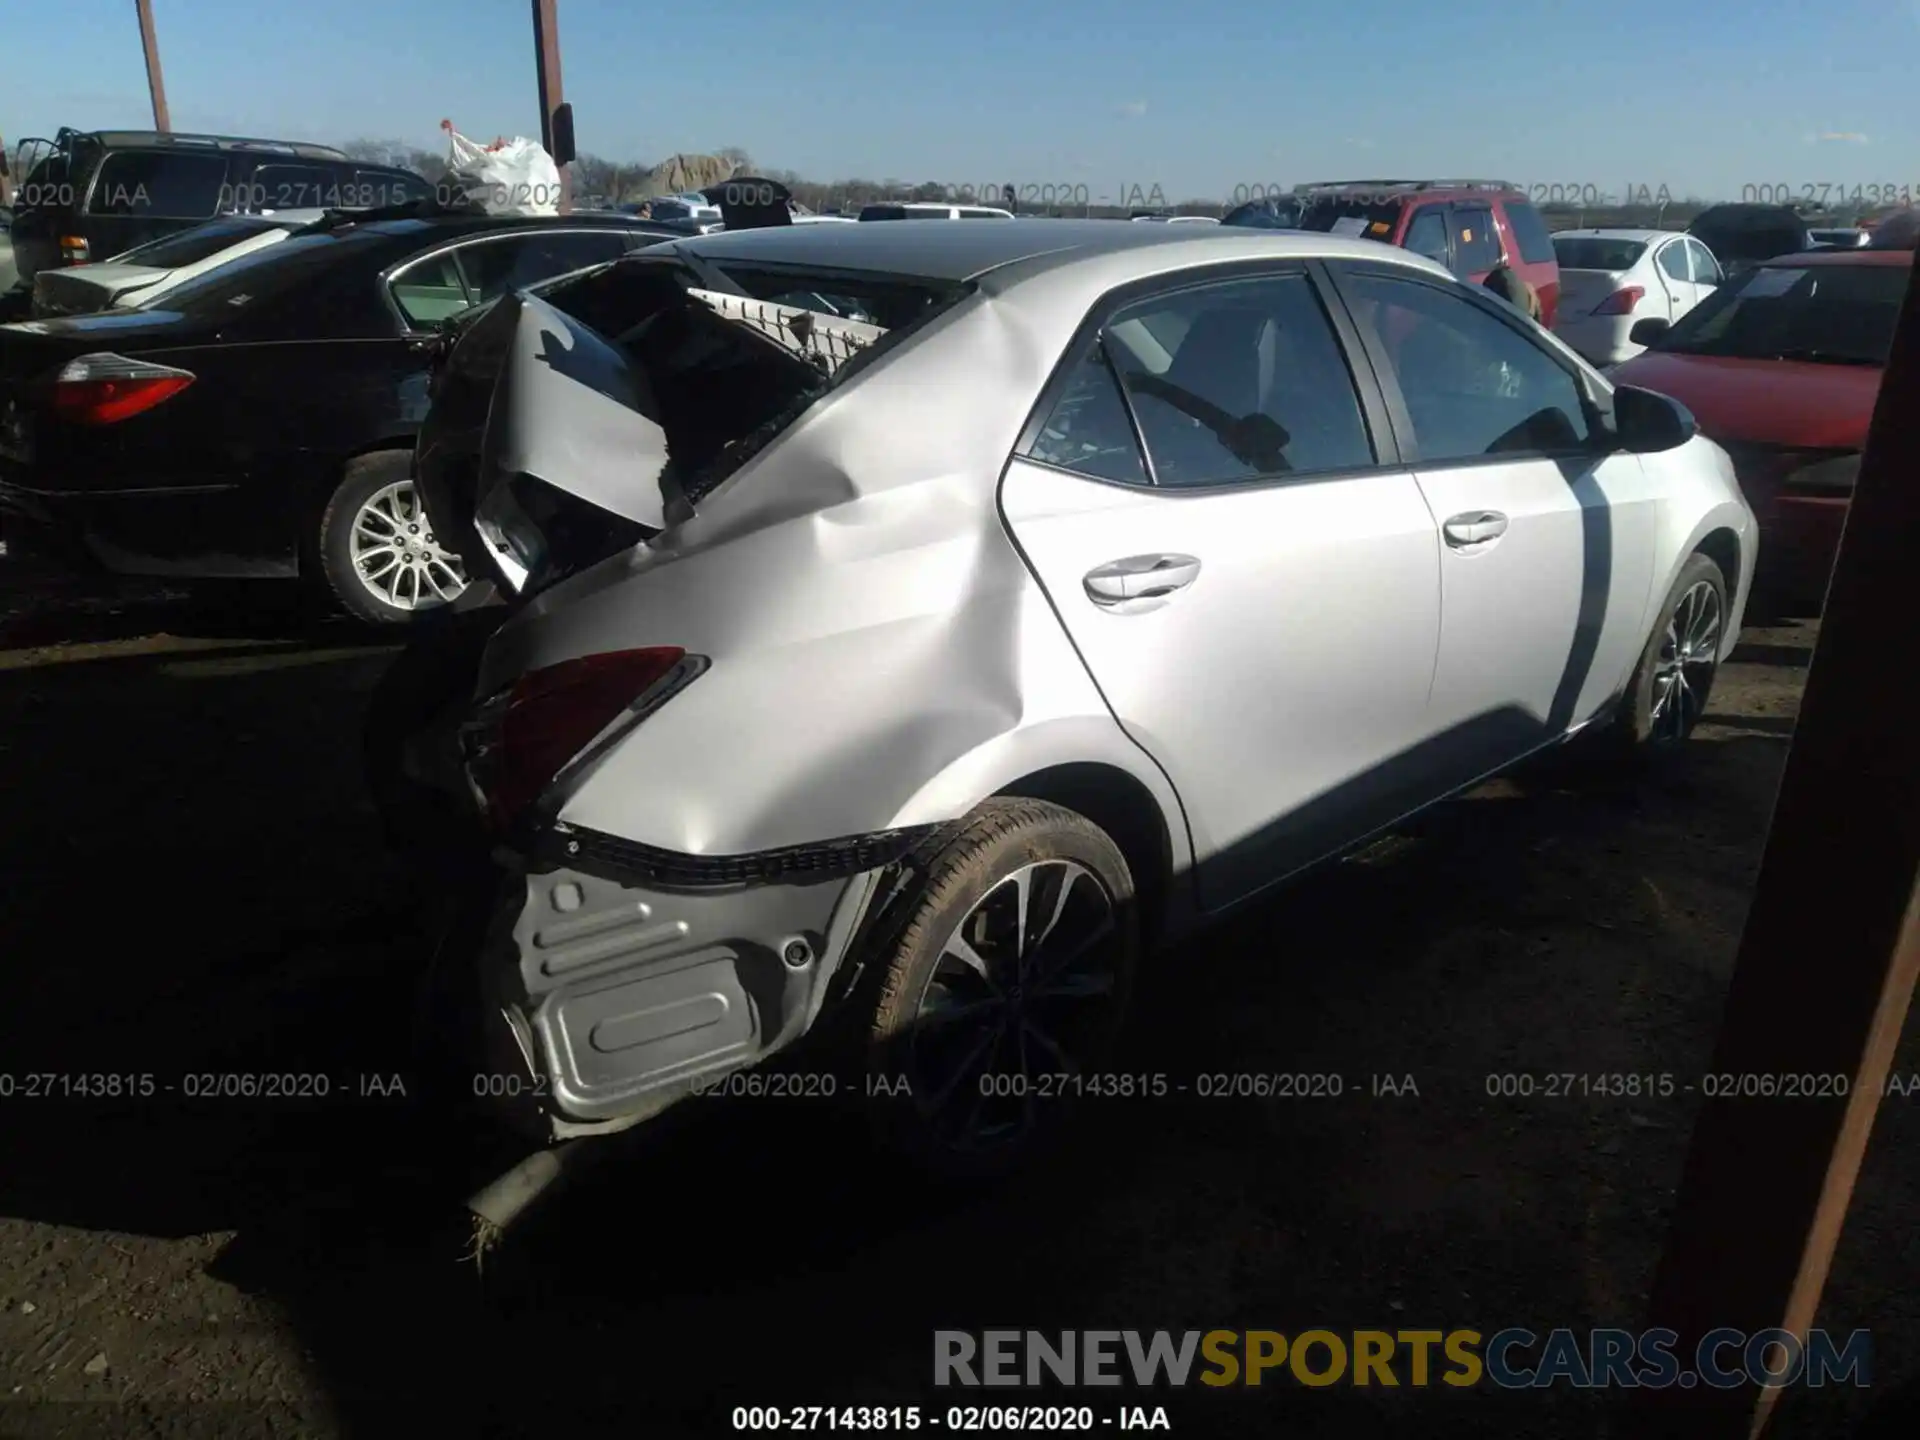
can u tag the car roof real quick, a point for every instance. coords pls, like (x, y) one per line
(465, 220)
(202, 144)
(963, 252)
(1743, 211)
(1616, 232)
(1839, 257)
(1387, 191)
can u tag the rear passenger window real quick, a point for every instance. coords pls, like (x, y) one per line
(495, 266)
(1089, 431)
(1256, 384)
(430, 290)
(1476, 244)
(1530, 233)
(1427, 234)
(1673, 260)
(293, 187)
(159, 185)
(384, 187)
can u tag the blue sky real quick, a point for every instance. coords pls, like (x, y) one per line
(1197, 96)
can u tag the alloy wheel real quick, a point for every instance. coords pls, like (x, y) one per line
(1689, 652)
(395, 555)
(1024, 991)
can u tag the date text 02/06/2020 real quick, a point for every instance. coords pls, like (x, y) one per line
(961, 1419)
(199, 1085)
(1039, 1085)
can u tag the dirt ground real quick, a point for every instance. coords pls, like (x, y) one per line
(194, 883)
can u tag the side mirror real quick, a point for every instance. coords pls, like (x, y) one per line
(1645, 422)
(1646, 332)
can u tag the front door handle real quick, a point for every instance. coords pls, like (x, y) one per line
(1475, 527)
(1140, 577)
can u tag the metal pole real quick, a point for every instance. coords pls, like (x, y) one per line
(1828, 960)
(156, 86)
(546, 54)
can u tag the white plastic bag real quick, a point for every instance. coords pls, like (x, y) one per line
(508, 177)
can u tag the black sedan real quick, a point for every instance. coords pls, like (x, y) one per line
(262, 423)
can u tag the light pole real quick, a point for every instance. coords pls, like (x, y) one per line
(556, 120)
(156, 86)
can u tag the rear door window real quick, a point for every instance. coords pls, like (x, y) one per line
(1530, 233)
(1706, 269)
(430, 290)
(1674, 263)
(1256, 386)
(498, 265)
(159, 185)
(1089, 431)
(386, 187)
(296, 187)
(1476, 244)
(1427, 234)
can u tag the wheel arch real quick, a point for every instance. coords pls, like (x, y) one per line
(1721, 543)
(310, 503)
(1722, 546)
(1121, 805)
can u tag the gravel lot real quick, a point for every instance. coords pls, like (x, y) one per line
(195, 884)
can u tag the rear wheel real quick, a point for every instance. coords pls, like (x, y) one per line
(1002, 989)
(1670, 686)
(378, 553)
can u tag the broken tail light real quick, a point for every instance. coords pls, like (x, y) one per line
(551, 724)
(1622, 301)
(105, 389)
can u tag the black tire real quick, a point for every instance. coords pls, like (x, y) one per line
(954, 872)
(362, 479)
(1642, 727)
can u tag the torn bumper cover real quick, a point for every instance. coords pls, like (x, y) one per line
(616, 977)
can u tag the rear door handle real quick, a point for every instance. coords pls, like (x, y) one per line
(1140, 577)
(1475, 527)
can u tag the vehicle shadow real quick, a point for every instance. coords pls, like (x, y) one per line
(695, 1272)
(1791, 656)
(63, 612)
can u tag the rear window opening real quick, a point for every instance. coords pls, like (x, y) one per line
(159, 185)
(192, 246)
(707, 365)
(735, 355)
(1376, 221)
(729, 380)
(1591, 252)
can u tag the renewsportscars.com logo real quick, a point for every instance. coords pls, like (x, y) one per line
(1509, 1359)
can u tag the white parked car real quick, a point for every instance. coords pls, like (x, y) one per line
(915, 210)
(1610, 279)
(143, 274)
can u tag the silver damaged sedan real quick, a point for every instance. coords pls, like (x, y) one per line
(909, 627)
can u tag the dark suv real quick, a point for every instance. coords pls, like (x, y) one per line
(1470, 226)
(1742, 236)
(87, 195)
